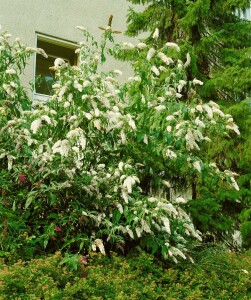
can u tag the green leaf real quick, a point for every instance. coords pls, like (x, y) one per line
(29, 201)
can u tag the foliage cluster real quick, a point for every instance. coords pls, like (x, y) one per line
(216, 274)
(88, 169)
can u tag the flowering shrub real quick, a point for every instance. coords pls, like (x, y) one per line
(96, 165)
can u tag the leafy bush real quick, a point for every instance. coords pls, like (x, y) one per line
(216, 274)
(95, 166)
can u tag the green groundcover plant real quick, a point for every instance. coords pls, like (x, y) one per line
(101, 164)
(216, 274)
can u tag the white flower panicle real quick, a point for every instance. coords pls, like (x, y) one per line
(191, 141)
(172, 46)
(233, 127)
(81, 28)
(171, 154)
(156, 34)
(97, 124)
(98, 243)
(41, 52)
(62, 147)
(125, 196)
(170, 118)
(8, 35)
(169, 128)
(150, 53)
(217, 111)
(199, 122)
(196, 81)
(234, 183)
(188, 60)
(135, 78)
(128, 46)
(180, 200)
(46, 118)
(181, 84)
(88, 116)
(166, 223)
(199, 108)
(131, 121)
(10, 161)
(129, 182)
(209, 111)
(155, 70)
(59, 62)
(11, 71)
(35, 125)
(130, 232)
(177, 252)
(120, 207)
(56, 86)
(166, 183)
(11, 122)
(213, 104)
(86, 83)
(197, 166)
(141, 46)
(167, 60)
(160, 107)
(67, 104)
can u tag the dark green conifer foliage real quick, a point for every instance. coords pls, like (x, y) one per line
(216, 208)
(218, 40)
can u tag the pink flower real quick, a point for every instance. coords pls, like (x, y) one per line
(58, 229)
(84, 259)
(22, 177)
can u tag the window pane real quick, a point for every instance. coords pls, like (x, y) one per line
(44, 76)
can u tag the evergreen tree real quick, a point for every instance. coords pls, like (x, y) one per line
(212, 31)
(218, 40)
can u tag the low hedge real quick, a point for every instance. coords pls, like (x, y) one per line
(215, 274)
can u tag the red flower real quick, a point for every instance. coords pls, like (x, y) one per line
(84, 259)
(58, 229)
(4, 201)
(22, 177)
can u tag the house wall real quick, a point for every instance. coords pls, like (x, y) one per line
(58, 18)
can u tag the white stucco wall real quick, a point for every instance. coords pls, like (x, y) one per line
(58, 18)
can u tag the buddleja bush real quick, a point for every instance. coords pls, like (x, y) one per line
(93, 167)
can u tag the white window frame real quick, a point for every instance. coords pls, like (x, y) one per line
(54, 41)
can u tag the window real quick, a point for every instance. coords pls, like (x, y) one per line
(54, 48)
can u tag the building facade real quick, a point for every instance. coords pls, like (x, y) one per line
(50, 24)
